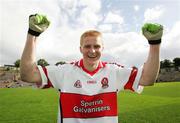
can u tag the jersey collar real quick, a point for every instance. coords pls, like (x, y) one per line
(100, 65)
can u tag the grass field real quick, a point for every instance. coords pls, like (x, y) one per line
(157, 104)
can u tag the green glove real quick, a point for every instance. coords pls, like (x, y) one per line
(153, 32)
(38, 24)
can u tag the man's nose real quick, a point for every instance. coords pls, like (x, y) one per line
(92, 49)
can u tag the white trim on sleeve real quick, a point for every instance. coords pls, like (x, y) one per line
(136, 87)
(43, 77)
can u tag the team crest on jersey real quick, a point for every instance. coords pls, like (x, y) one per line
(104, 83)
(78, 84)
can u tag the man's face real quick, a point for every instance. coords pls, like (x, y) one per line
(91, 49)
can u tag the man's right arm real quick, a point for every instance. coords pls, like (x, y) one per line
(28, 68)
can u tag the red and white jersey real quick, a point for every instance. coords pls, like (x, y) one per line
(89, 97)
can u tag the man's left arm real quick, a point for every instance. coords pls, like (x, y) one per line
(151, 67)
(153, 33)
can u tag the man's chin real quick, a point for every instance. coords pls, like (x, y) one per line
(93, 61)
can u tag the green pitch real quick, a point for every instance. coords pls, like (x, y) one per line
(157, 104)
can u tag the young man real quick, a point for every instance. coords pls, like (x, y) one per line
(88, 88)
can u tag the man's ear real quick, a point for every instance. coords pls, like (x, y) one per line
(80, 49)
(102, 48)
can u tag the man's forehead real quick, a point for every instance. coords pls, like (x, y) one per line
(92, 40)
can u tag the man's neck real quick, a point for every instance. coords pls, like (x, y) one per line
(90, 67)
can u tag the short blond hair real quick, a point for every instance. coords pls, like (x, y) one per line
(90, 33)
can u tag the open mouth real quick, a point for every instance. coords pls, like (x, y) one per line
(92, 56)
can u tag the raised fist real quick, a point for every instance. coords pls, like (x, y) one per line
(153, 32)
(38, 24)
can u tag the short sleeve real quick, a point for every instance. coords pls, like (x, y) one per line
(128, 78)
(51, 76)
